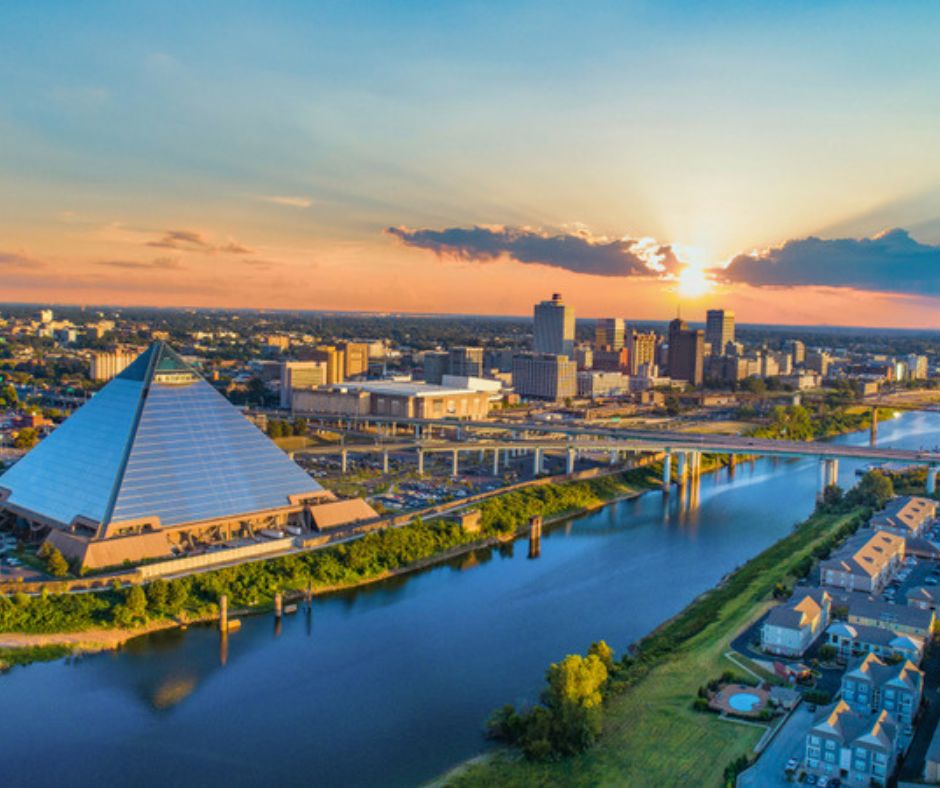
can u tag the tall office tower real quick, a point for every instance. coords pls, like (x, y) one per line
(465, 362)
(818, 361)
(333, 357)
(797, 351)
(609, 334)
(105, 366)
(554, 327)
(641, 350)
(719, 330)
(686, 353)
(917, 367)
(499, 358)
(544, 376)
(301, 375)
(45, 316)
(356, 357)
(435, 366)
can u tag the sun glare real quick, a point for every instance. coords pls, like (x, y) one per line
(693, 283)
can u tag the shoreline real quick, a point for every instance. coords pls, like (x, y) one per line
(92, 641)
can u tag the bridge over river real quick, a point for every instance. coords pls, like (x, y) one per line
(539, 437)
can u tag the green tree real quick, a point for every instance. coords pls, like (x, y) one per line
(135, 600)
(158, 593)
(604, 653)
(26, 438)
(10, 395)
(874, 490)
(56, 564)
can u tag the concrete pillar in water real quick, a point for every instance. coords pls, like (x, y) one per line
(931, 479)
(683, 468)
(223, 613)
(667, 471)
(278, 605)
(572, 455)
(455, 470)
(874, 426)
(496, 462)
(535, 537)
(536, 461)
(823, 478)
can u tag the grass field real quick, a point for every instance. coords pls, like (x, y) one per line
(651, 734)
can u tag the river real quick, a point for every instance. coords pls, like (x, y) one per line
(390, 684)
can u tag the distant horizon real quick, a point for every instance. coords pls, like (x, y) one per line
(391, 314)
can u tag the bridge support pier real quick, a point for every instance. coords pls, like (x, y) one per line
(828, 476)
(420, 462)
(683, 469)
(570, 458)
(873, 439)
(535, 537)
(931, 479)
(536, 461)
(614, 456)
(344, 460)
(496, 462)
(455, 470)
(667, 471)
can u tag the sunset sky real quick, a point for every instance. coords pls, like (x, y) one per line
(778, 159)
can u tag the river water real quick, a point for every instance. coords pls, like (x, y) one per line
(390, 685)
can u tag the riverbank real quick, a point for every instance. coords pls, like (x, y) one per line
(652, 735)
(251, 587)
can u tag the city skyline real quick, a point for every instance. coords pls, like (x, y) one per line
(473, 158)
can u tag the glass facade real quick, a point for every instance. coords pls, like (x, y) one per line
(175, 449)
(195, 457)
(73, 471)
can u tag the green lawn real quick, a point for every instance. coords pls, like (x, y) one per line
(651, 734)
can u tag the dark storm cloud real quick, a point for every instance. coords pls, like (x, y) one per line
(890, 262)
(578, 252)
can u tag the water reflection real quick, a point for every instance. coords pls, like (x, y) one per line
(392, 684)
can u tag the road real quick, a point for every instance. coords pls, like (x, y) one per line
(768, 772)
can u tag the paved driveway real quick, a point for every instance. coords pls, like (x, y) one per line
(768, 772)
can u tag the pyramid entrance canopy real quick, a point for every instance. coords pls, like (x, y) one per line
(156, 444)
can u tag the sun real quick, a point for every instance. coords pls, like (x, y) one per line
(693, 283)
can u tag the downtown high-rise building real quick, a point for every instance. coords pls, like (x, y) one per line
(641, 351)
(686, 353)
(609, 333)
(465, 362)
(719, 330)
(554, 328)
(544, 376)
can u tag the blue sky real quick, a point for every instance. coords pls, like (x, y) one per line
(303, 130)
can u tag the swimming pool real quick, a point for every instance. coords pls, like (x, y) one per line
(744, 701)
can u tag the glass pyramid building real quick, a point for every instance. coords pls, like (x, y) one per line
(157, 449)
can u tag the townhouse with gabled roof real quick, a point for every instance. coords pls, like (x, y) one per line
(908, 515)
(866, 562)
(858, 747)
(902, 619)
(856, 640)
(791, 628)
(873, 685)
